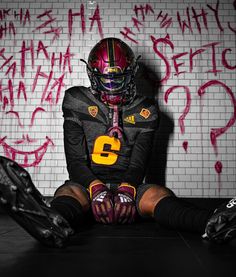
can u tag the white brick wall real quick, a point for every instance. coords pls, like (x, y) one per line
(190, 173)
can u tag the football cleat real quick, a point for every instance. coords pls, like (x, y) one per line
(221, 226)
(21, 200)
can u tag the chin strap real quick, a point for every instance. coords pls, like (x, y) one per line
(115, 131)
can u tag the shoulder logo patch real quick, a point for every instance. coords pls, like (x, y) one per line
(93, 110)
(130, 119)
(145, 113)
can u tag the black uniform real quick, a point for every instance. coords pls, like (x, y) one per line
(91, 153)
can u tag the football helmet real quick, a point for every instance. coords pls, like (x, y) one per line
(111, 68)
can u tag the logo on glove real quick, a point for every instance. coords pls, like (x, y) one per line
(100, 196)
(124, 198)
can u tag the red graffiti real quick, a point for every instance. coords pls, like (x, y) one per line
(50, 84)
(182, 22)
(46, 27)
(192, 21)
(41, 47)
(166, 21)
(25, 138)
(126, 33)
(71, 16)
(28, 158)
(64, 59)
(191, 55)
(218, 167)
(225, 61)
(217, 132)
(47, 82)
(23, 51)
(185, 111)
(188, 23)
(137, 23)
(4, 14)
(202, 16)
(165, 41)
(213, 57)
(233, 29)
(21, 89)
(7, 29)
(10, 99)
(23, 17)
(7, 63)
(216, 14)
(16, 114)
(143, 10)
(185, 145)
(39, 109)
(95, 18)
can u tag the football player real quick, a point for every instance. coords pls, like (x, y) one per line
(108, 135)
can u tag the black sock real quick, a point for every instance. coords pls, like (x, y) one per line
(69, 208)
(178, 214)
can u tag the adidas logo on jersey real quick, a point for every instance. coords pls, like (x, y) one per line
(130, 119)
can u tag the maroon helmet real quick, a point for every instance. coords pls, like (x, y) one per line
(111, 68)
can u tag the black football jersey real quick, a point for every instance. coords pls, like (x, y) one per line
(91, 153)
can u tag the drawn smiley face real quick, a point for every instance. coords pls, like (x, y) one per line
(19, 135)
(27, 113)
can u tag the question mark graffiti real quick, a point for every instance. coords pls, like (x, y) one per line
(216, 132)
(185, 111)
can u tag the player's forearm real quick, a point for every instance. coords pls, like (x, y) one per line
(139, 159)
(81, 174)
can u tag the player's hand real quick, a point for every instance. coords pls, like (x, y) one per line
(102, 203)
(124, 204)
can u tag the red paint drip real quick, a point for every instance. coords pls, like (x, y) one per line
(218, 167)
(213, 141)
(185, 146)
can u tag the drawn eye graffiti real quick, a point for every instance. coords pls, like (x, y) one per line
(16, 115)
(37, 110)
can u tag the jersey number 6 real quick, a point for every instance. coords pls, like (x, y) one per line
(101, 156)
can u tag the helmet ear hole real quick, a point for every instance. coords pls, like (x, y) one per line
(111, 68)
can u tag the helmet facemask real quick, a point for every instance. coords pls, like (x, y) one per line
(111, 69)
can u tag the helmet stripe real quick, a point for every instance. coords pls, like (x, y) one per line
(111, 52)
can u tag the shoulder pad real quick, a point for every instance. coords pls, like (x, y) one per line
(142, 113)
(80, 101)
(77, 91)
(76, 97)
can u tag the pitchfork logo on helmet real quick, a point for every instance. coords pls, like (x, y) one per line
(111, 68)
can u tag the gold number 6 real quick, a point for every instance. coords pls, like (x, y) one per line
(100, 156)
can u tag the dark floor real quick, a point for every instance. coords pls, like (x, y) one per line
(141, 249)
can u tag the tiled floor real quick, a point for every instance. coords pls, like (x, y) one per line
(142, 249)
